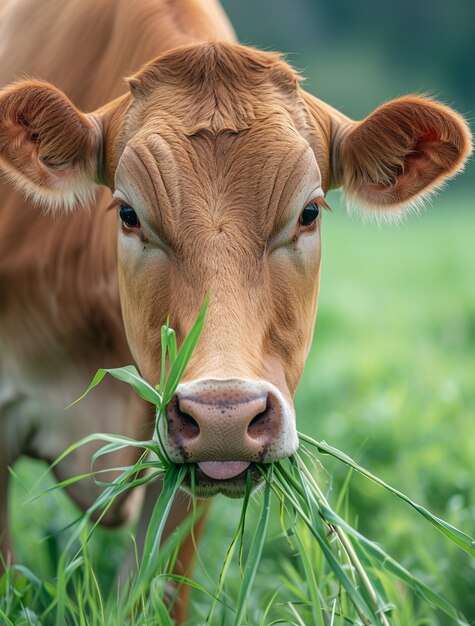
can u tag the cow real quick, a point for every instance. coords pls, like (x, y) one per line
(125, 202)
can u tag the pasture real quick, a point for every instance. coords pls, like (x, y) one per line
(390, 380)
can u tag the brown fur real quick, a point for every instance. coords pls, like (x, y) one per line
(219, 149)
(208, 86)
(404, 147)
(47, 146)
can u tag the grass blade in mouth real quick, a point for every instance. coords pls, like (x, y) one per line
(396, 569)
(377, 555)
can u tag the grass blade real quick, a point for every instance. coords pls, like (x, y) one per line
(255, 551)
(127, 374)
(171, 483)
(282, 489)
(184, 354)
(230, 551)
(397, 570)
(316, 606)
(461, 539)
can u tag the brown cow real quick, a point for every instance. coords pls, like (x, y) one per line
(219, 163)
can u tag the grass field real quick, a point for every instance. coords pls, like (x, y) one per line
(390, 380)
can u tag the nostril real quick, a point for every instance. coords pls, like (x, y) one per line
(263, 423)
(180, 422)
(190, 426)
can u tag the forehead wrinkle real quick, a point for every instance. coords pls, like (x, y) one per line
(214, 178)
(201, 155)
(162, 158)
(289, 189)
(162, 205)
(282, 188)
(134, 179)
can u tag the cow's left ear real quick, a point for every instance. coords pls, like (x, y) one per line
(49, 149)
(398, 155)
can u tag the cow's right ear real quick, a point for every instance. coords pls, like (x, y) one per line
(49, 149)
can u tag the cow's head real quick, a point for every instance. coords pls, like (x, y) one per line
(219, 163)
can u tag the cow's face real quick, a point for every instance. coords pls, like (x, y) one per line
(235, 215)
(220, 195)
(219, 163)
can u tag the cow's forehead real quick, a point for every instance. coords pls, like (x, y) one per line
(254, 171)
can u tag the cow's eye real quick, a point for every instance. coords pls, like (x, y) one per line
(129, 216)
(309, 214)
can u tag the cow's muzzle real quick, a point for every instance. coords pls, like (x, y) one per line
(225, 427)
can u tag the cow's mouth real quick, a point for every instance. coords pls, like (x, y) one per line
(226, 477)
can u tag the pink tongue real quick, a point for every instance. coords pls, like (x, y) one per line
(221, 470)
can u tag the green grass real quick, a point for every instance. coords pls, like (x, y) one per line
(390, 381)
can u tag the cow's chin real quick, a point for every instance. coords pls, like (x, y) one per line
(206, 487)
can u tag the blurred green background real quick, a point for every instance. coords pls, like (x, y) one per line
(391, 375)
(355, 55)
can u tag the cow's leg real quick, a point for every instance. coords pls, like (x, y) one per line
(181, 509)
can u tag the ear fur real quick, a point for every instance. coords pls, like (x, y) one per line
(404, 151)
(48, 148)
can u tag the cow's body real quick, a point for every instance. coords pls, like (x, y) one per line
(60, 313)
(60, 317)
